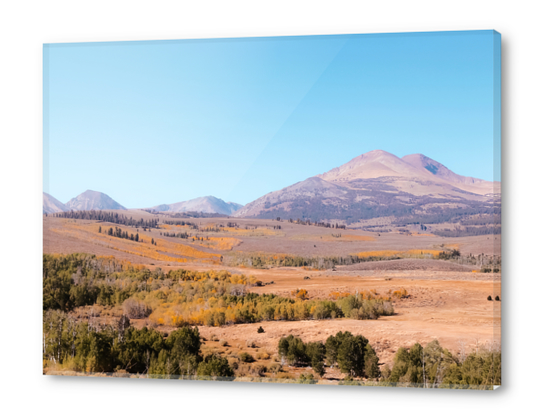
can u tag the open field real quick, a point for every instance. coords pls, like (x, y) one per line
(446, 300)
(415, 324)
(68, 235)
(449, 307)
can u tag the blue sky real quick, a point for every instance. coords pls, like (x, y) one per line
(159, 122)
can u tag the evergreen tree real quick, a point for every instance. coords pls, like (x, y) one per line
(372, 370)
(217, 367)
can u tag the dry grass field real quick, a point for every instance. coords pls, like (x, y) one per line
(446, 301)
(69, 235)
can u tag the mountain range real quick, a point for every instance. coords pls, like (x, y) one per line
(378, 184)
(94, 200)
(415, 189)
(89, 200)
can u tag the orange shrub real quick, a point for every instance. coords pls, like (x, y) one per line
(300, 294)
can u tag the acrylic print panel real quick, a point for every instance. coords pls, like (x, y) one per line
(313, 209)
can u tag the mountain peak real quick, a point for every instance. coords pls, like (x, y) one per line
(373, 164)
(422, 161)
(93, 200)
(207, 204)
(52, 205)
(376, 153)
(374, 184)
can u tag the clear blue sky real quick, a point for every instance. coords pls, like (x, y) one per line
(152, 122)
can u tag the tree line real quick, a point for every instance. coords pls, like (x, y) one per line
(181, 235)
(431, 366)
(308, 222)
(439, 214)
(110, 217)
(81, 346)
(181, 223)
(260, 260)
(175, 298)
(469, 231)
(119, 233)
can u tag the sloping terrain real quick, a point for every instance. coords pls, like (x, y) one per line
(208, 204)
(52, 205)
(379, 184)
(467, 183)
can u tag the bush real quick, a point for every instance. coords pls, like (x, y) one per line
(213, 338)
(251, 344)
(275, 368)
(356, 307)
(349, 381)
(258, 370)
(306, 379)
(223, 343)
(135, 309)
(246, 357)
(489, 297)
(260, 330)
(497, 298)
(263, 355)
(215, 366)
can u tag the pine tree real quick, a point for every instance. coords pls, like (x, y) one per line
(372, 370)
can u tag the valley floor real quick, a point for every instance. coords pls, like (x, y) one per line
(449, 305)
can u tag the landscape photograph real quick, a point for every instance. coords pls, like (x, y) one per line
(319, 210)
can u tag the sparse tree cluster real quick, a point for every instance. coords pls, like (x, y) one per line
(181, 235)
(104, 216)
(352, 354)
(435, 367)
(119, 233)
(468, 231)
(181, 223)
(308, 222)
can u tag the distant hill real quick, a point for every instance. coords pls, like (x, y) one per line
(415, 189)
(93, 200)
(208, 204)
(52, 205)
